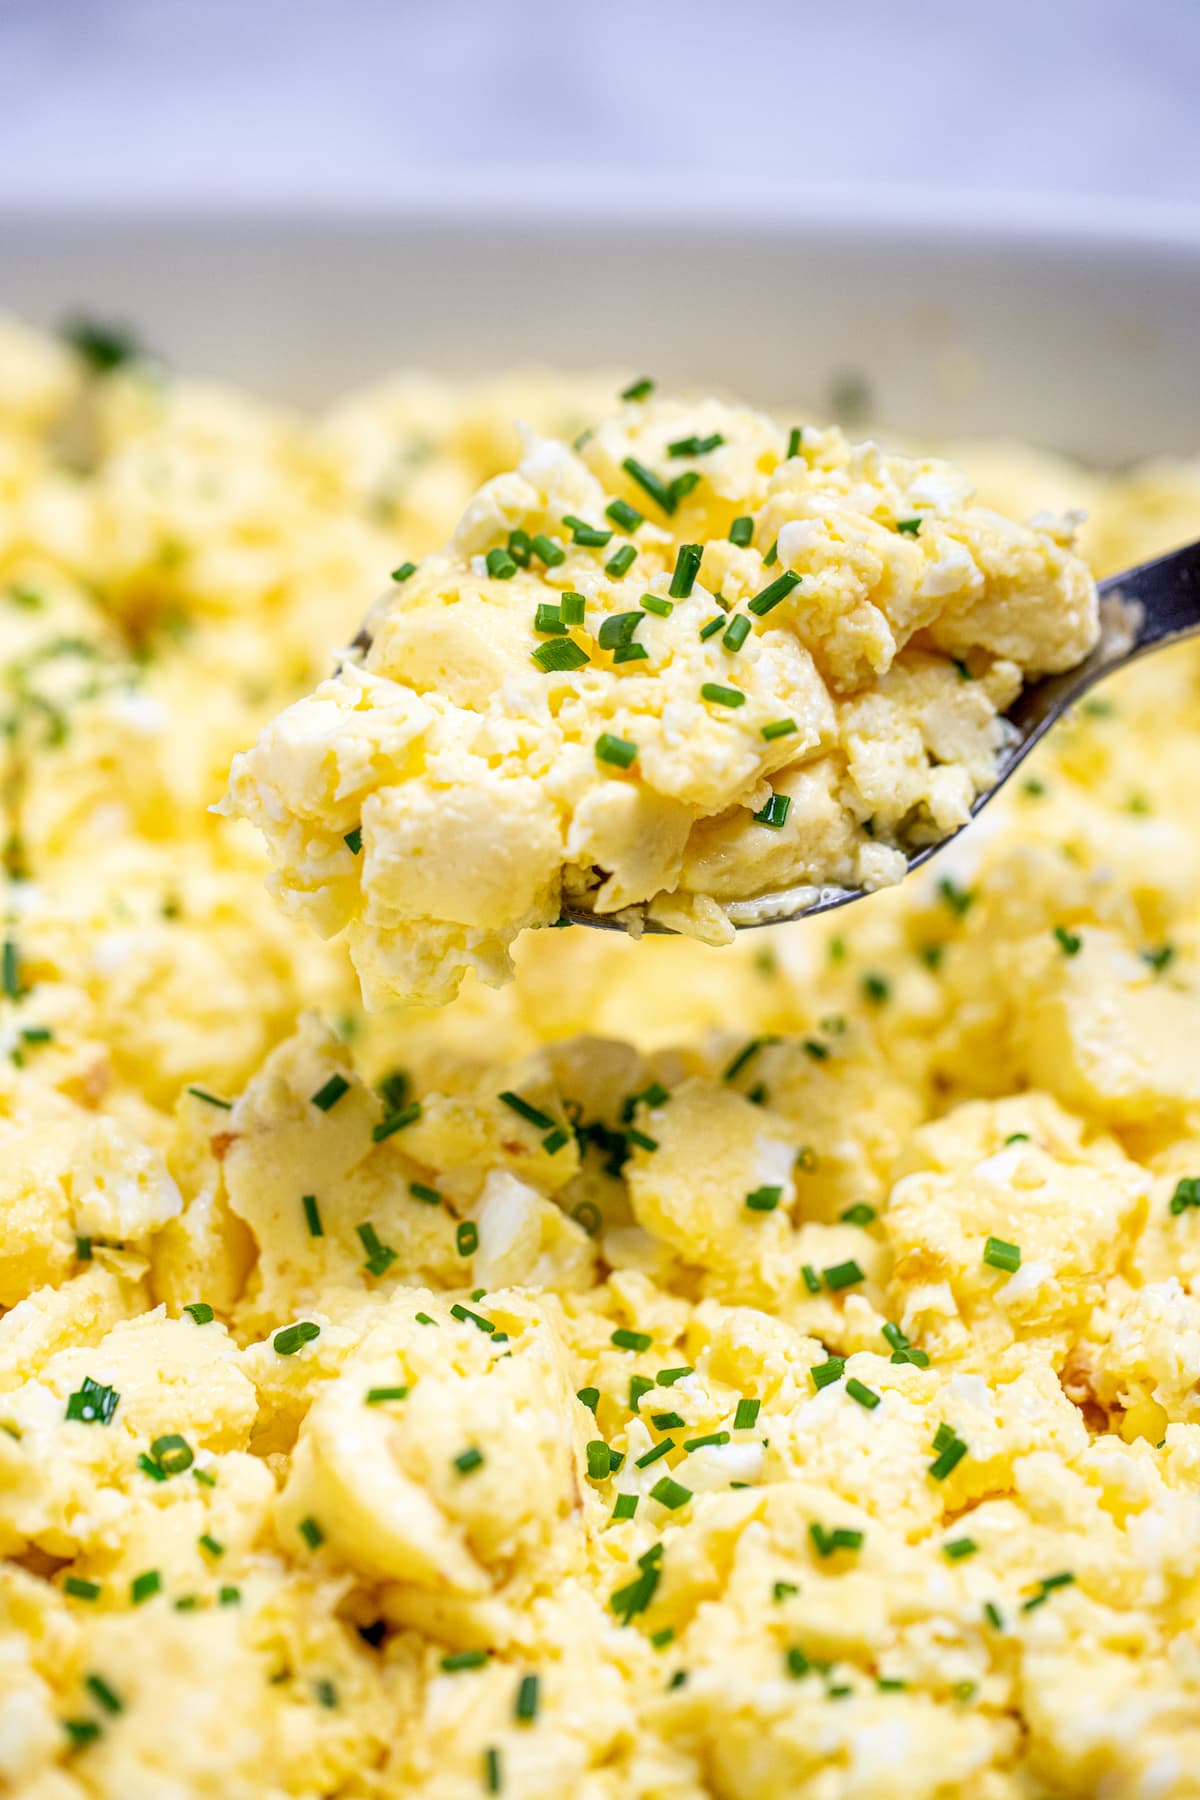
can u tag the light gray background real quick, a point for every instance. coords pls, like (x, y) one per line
(332, 100)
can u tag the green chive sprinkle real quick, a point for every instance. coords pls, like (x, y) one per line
(825, 1374)
(312, 1216)
(631, 1340)
(736, 633)
(209, 1543)
(670, 1494)
(81, 1732)
(843, 1275)
(83, 1249)
(772, 556)
(624, 517)
(103, 1694)
(353, 841)
(667, 1421)
(794, 438)
(711, 627)
(172, 1453)
(668, 1377)
(547, 551)
(775, 812)
(212, 1100)
(379, 1256)
(626, 1506)
(865, 1396)
(526, 1707)
(910, 527)
(548, 620)
(465, 1316)
(500, 565)
(764, 1199)
(311, 1532)
(467, 1461)
(858, 1214)
(79, 1589)
(687, 567)
(397, 1121)
(948, 1459)
(294, 1337)
(560, 656)
(593, 536)
(142, 1587)
(717, 695)
(702, 1443)
(376, 1396)
(993, 1615)
(652, 603)
(695, 446)
(958, 1548)
(519, 547)
(659, 490)
(573, 608)
(812, 1280)
(842, 1538)
(638, 390)
(1048, 1585)
(741, 531)
(1187, 1193)
(618, 629)
(555, 1140)
(404, 571)
(200, 1312)
(149, 1467)
(771, 596)
(999, 1255)
(92, 1403)
(599, 1461)
(464, 1659)
(524, 1110)
(467, 1238)
(1069, 942)
(662, 1449)
(618, 751)
(328, 1096)
(12, 970)
(493, 1779)
(621, 561)
(746, 1416)
(626, 653)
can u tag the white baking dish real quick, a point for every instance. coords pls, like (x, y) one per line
(1076, 333)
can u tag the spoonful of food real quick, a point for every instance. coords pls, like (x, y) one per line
(1145, 608)
(696, 672)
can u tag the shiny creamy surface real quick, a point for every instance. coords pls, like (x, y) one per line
(798, 659)
(1015, 1055)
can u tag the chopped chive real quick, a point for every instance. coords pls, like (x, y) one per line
(92, 1403)
(638, 390)
(670, 1494)
(493, 1778)
(1047, 1587)
(993, 1615)
(587, 1214)
(667, 1421)
(526, 1708)
(999, 1255)
(659, 490)
(500, 565)
(547, 551)
(682, 486)
(212, 1100)
(812, 1280)
(631, 1340)
(626, 653)
(83, 1249)
(865, 1396)
(668, 1377)
(311, 1532)
(764, 1199)
(209, 1543)
(621, 561)
(467, 1461)
(423, 1318)
(11, 970)
(717, 695)
(711, 627)
(294, 1337)
(593, 536)
(312, 1216)
(948, 1459)
(81, 1732)
(633, 1136)
(200, 1312)
(589, 1397)
(652, 603)
(379, 1256)
(960, 900)
(172, 1453)
(149, 1467)
(652, 1456)
(695, 446)
(556, 1140)
(778, 590)
(404, 571)
(841, 1538)
(599, 1460)
(143, 1586)
(624, 517)
(687, 567)
(327, 1097)
(466, 1238)
(41, 1034)
(1158, 959)
(429, 1196)
(858, 1214)
(463, 1659)
(746, 1415)
(397, 1121)
(775, 812)
(741, 531)
(843, 1275)
(618, 629)
(616, 750)
(204, 1478)
(772, 556)
(894, 1336)
(520, 547)
(909, 527)
(465, 1316)
(79, 1589)
(958, 1548)
(737, 631)
(715, 1438)
(794, 438)
(783, 1590)
(377, 1395)
(825, 1374)
(524, 1110)
(560, 656)
(572, 607)
(353, 840)
(548, 620)
(1069, 942)
(625, 1507)
(1186, 1194)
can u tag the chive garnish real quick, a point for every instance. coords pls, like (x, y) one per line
(548, 620)
(467, 1461)
(294, 1337)
(211, 1099)
(711, 627)
(909, 527)
(404, 571)
(695, 446)
(466, 1238)
(825, 1374)
(533, 1114)
(560, 656)
(625, 1507)
(92, 1403)
(631, 1340)
(794, 437)
(620, 752)
(865, 1396)
(379, 1256)
(353, 840)
(500, 565)
(200, 1312)
(670, 1494)
(376, 1396)
(592, 536)
(652, 1456)
(702, 1443)
(843, 1275)
(999, 1255)
(778, 590)
(621, 561)
(741, 531)
(143, 1586)
(547, 551)
(526, 1707)
(659, 490)
(746, 1415)
(687, 567)
(764, 1199)
(327, 1097)
(79, 1589)
(958, 1548)
(624, 517)
(718, 695)
(775, 812)
(638, 390)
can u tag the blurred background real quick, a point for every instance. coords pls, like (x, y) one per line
(339, 99)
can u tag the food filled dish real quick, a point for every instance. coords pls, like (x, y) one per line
(752, 1370)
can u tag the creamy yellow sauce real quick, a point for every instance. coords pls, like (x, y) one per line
(793, 1393)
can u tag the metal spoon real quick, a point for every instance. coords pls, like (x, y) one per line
(1157, 603)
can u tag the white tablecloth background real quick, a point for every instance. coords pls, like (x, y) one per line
(335, 99)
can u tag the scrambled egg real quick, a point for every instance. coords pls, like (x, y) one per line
(784, 671)
(753, 1372)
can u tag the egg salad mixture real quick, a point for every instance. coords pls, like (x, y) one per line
(754, 1371)
(798, 670)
